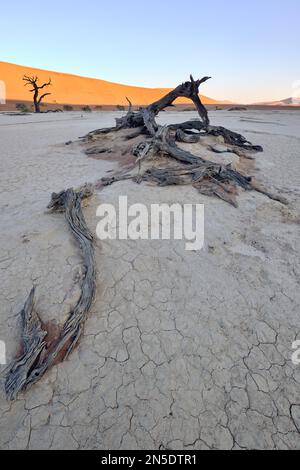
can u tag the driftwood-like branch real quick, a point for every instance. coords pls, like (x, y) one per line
(211, 179)
(37, 356)
(33, 339)
(233, 138)
(146, 116)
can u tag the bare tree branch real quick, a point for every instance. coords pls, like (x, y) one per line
(147, 115)
(43, 96)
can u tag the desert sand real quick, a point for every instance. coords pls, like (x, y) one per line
(76, 90)
(181, 350)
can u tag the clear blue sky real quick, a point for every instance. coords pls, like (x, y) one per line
(249, 47)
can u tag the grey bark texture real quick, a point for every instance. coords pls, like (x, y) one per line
(37, 355)
(161, 141)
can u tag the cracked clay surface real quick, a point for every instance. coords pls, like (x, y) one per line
(182, 350)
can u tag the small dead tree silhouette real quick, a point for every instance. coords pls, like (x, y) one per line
(37, 98)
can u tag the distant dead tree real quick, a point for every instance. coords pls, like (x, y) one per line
(37, 98)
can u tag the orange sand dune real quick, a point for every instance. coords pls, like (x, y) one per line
(75, 90)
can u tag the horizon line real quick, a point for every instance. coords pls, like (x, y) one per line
(143, 87)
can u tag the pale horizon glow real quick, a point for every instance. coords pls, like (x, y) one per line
(250, 48)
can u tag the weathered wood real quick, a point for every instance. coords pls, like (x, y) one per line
(33, 343)
(233, 138)
(38, 356)
(209, 178)
(144, 120)
(146, 116)
(162, 143)
(187, 138)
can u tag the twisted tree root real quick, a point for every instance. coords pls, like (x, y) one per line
(38, 356)
(210, 179)
(161, 141)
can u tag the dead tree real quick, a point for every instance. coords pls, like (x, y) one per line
(146, 116)
(169, 147)
(37, 98)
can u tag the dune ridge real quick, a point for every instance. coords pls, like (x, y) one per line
(77, 90)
